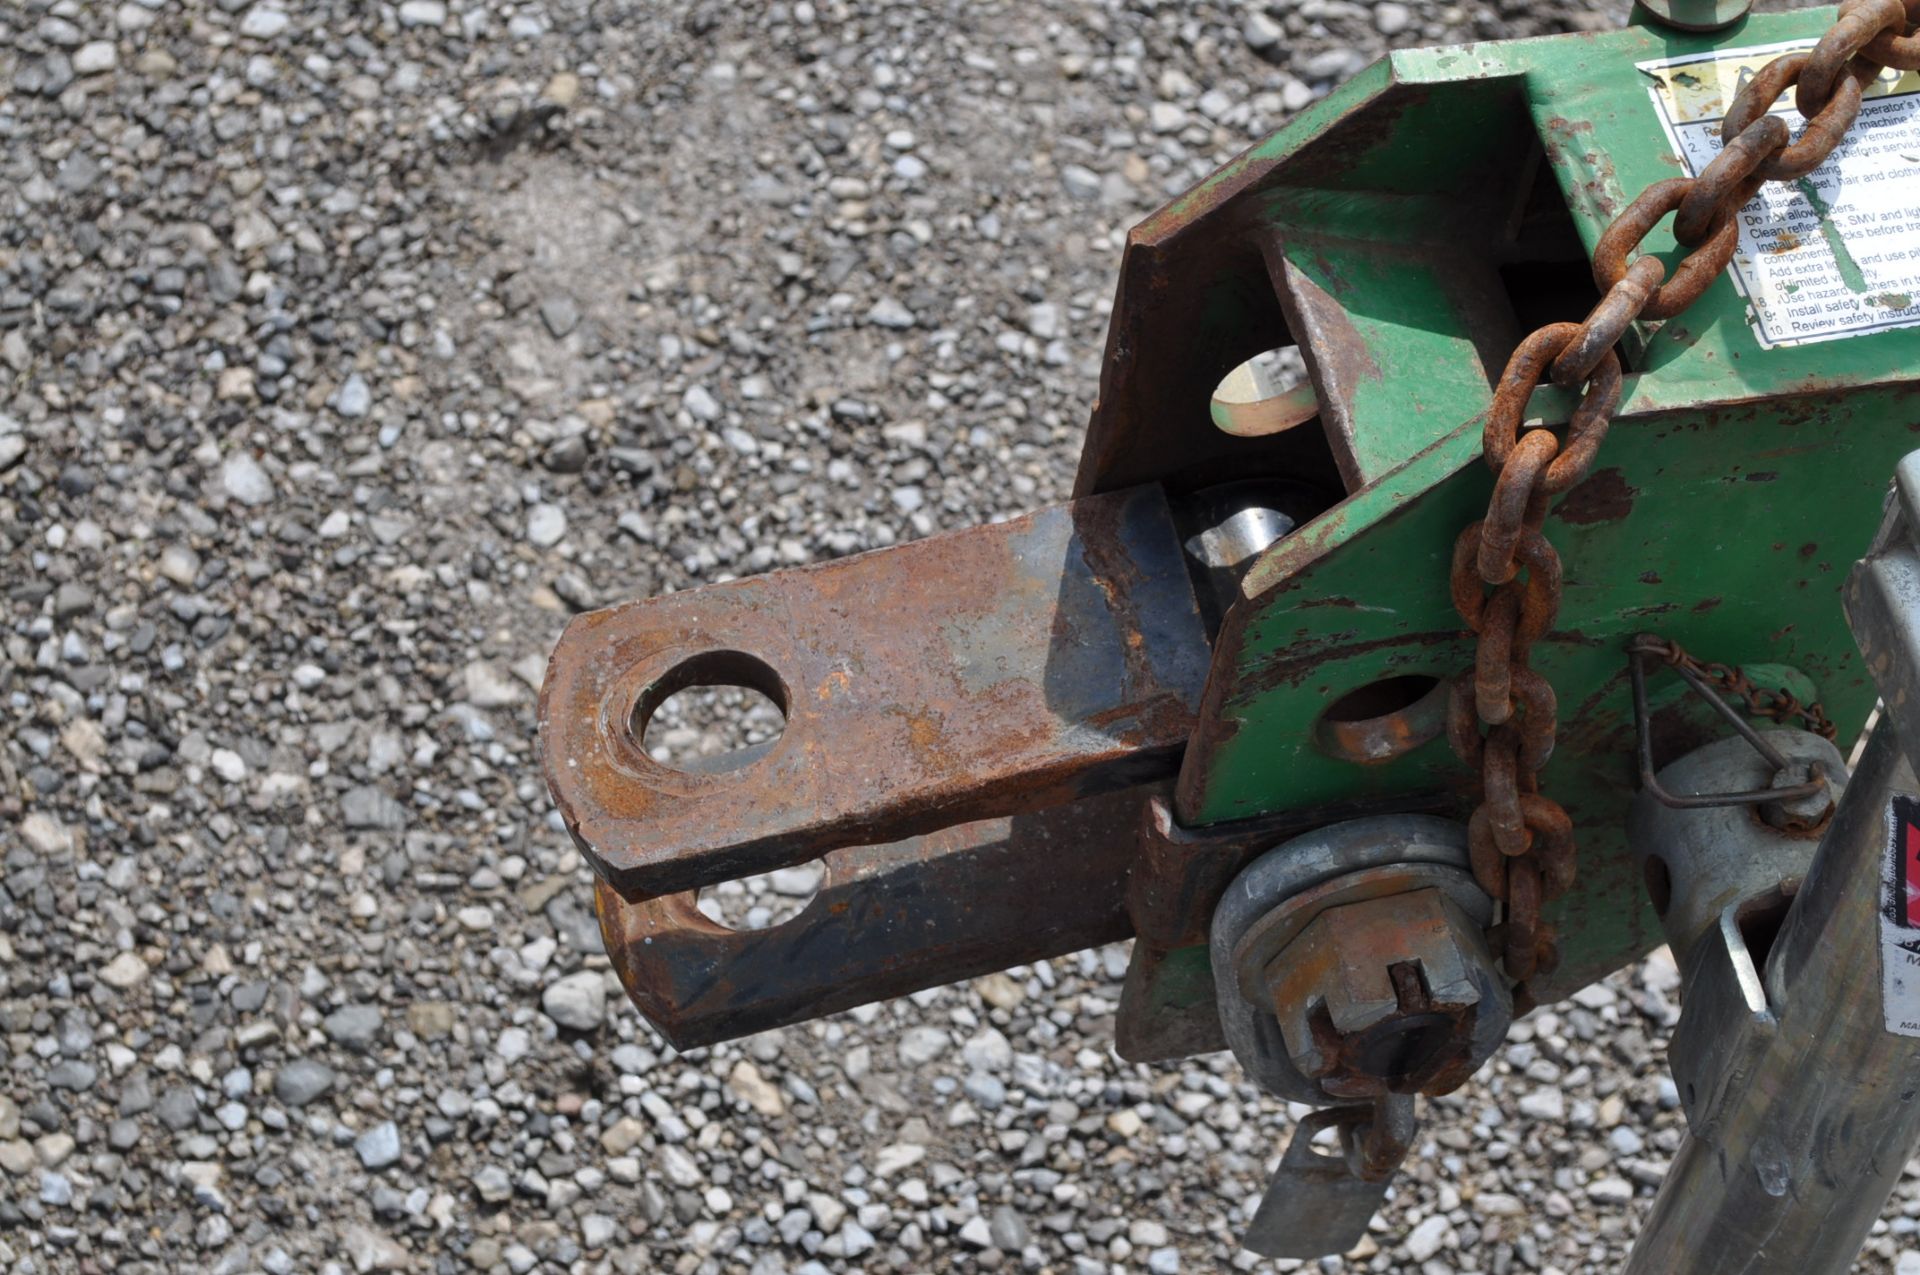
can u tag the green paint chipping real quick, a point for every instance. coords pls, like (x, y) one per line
(1850, 272)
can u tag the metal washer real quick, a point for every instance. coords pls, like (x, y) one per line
(1307, 861)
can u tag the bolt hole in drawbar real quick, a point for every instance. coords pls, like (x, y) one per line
(1384, 719)
(715, 713)
(764, 899)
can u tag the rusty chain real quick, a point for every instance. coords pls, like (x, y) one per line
(1505, 577)
(1780, 705)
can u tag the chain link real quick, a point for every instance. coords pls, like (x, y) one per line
(1506, 577)
(1781, 705)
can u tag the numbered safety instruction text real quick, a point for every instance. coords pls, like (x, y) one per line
(1837, 253)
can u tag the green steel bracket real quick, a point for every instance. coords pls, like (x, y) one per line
(1404, 232)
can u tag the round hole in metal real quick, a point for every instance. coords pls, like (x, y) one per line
(713, 713)
(1384, 719)
(764, 900)
(1267, 394)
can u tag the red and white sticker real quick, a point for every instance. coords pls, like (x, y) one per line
(1900, 919)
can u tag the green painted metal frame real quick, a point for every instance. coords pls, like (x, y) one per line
(1734, 489)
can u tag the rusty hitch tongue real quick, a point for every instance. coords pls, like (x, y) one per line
(957, 683)
(986, 672)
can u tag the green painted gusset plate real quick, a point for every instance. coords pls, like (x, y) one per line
(1373, 231)
(1405, 326)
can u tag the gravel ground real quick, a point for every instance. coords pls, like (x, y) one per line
(345, 349)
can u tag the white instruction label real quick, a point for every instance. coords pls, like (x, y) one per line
(1837, 253)
(1900, 919)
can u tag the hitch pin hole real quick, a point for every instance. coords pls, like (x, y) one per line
(1383, 720)
(713, 713)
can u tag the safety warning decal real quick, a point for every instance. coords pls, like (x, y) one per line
(1900, 919)
(1836, 253)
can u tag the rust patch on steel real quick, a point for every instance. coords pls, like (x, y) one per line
(1603, 497)
(1294, 666)
(1567, 148)
(1366, 959)
(888, 920)
(986, 672)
